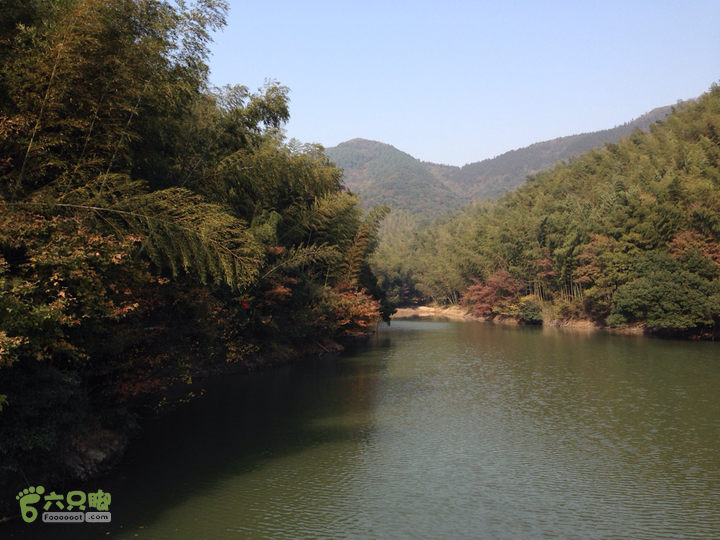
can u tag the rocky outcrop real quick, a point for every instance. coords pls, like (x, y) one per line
(94, 455)
(84, 457)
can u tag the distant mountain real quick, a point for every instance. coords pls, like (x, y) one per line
(382, 174)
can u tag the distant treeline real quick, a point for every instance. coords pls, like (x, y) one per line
(627, 233)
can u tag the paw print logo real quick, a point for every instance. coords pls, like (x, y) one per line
(27, 498)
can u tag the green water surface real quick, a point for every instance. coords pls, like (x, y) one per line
(438, 430)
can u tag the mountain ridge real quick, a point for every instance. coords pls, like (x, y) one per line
(383, 174)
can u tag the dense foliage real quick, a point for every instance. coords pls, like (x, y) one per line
(152, 227)
(628, 233)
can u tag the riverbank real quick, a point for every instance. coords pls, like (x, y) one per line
(452, 312)
(460, 313)
(638, 328)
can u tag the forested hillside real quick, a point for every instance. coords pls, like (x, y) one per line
(381, 174)
(625, 234)
(152, 228)
(492, 177)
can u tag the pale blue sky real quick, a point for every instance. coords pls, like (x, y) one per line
(459, 81)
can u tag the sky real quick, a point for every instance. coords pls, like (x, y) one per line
(455, 82)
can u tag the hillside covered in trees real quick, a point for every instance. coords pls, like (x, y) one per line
(381, 174)
(624, 234)
(152, 228)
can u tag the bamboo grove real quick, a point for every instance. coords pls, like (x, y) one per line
(626, 234)
(152, 227)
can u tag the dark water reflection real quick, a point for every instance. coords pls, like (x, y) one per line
(437, 430)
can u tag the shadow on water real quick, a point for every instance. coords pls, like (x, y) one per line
(242, 422)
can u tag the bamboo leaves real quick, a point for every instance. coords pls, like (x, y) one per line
(148, 225)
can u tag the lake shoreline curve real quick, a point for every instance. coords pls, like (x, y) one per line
(461, 313)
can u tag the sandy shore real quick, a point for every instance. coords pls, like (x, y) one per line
(460, 313)
(452, 312)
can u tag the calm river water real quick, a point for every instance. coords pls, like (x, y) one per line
(437, 430)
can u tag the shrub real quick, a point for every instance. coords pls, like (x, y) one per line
(667, 294)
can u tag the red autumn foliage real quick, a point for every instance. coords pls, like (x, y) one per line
(706, 244)
(481, 298)
(545, 265)
(347, 310)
